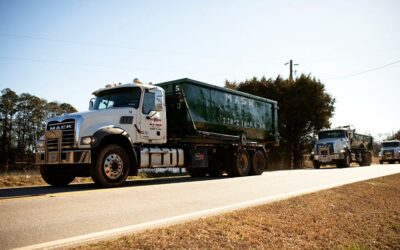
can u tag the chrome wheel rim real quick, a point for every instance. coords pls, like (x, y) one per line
(113, 166)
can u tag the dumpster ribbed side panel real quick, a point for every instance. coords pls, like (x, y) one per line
(219, 110)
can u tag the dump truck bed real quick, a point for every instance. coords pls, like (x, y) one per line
(195, 107)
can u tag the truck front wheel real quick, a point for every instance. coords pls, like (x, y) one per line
(316, 164)
(346, 161)
(56, 175)
(111, 167)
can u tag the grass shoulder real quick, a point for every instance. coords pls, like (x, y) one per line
(364, 215)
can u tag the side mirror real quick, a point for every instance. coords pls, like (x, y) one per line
(91, 104)
(158, 100)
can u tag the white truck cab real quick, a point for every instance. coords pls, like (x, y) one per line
(119, 117)
(341, 146)
(390, 152)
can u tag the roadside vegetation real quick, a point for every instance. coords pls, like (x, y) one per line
(33, 178)
(305, 107)
(22, 122)
(340, 218)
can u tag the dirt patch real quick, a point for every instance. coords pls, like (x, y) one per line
(363, 215)
(31, 180)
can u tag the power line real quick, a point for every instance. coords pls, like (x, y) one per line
(79, 42)
(362, 72)
(76, 63)
(105, 45)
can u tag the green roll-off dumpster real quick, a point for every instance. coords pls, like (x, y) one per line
(201, 111)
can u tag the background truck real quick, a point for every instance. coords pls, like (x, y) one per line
(341, 147)
(183, 123)
(390, 152)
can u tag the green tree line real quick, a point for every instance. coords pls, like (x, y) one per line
(304, 108)
(396, 136)
(22, 122)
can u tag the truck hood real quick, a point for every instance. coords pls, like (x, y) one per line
(337, 143)
(88, 122)
(330, 141)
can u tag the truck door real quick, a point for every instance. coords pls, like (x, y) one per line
(151, 123)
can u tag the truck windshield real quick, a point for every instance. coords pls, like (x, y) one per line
(332, 134)
(123, 97)
(390, 144)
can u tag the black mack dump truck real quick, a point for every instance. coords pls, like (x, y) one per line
(183, 123)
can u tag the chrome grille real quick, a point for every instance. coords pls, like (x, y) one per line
(325, 149)
(52, 144)
(67, 128)
(388, 153)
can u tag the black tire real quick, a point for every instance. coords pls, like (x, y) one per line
(366, 159)
(111, 167)
(369, 159)
(346, 162)
(258, 163)
(316, 165)
(381, 162)
(240, 165)
(57, 175)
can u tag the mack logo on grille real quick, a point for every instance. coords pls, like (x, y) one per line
(61, 127)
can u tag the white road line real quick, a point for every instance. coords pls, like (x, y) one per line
(185, 217)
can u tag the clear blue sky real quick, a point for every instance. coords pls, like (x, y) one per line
(64, 50)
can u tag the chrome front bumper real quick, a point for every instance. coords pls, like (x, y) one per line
(63, 157)
(55, 153)
(328, 158)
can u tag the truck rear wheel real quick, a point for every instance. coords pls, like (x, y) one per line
(316, 164)
(366, 159)
(56, 175)
(258, 162)
(111, 167)
(240, 165)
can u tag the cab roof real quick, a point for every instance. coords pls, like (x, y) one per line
(126, 85)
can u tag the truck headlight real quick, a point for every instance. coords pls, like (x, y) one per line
(380, 154)
(342, 151)
(87, 140)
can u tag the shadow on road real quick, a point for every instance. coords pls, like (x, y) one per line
(22, 192)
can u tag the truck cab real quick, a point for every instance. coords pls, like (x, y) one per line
(340, 147)
(390, 152)
(123, 121)
(332, 147)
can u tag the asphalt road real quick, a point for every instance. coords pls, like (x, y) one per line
(46, 217)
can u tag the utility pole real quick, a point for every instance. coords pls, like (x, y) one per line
(291, 69)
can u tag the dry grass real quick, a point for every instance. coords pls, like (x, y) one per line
(363, 215)
(34, 179)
